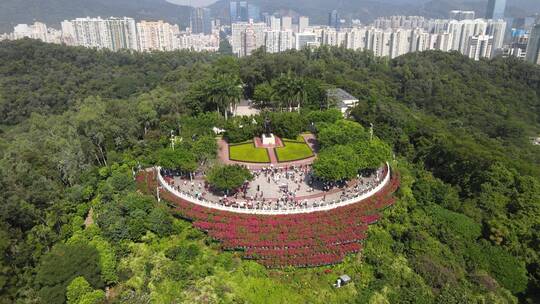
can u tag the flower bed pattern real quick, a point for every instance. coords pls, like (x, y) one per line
(300, 240)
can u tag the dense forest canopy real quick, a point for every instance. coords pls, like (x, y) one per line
(74, 123)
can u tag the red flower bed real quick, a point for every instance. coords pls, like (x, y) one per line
(301, 240)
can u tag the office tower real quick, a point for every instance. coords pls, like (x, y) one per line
(303, 23)
(157, 36)
(254, 13)
(286, 23)
(233, 11)
(479, 47)
(273, 22)
(462, 15)
(495, 9)
(243, 13)
(334, 19)
(200, 21)
(533, 48)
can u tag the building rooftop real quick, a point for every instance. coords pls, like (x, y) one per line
(340, 94)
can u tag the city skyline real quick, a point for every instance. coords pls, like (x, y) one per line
(386, 37)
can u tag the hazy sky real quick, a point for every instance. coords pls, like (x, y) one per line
(195, 3)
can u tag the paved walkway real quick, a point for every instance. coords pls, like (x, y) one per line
(197, 194)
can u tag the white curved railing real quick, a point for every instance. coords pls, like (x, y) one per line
(327, 207)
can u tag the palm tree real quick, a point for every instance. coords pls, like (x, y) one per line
(225, 93)
(290, 91)
(299, 92)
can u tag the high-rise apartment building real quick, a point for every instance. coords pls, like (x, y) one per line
(201, 21)
(37, 30)
(518, 47)
(533, 48)
(306, 40)
(278, 41)
(273, 22)
(400, 42)
(495, 9)
(112, 33)
(479, 47)
(247, 37)
(496, 29)
(157, 36)
(303, 23)
(462, 15)
(286, 23)
(123, 33)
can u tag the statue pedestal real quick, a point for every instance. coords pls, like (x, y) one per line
(268, 140)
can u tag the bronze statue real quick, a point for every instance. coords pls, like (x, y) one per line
(267, 126)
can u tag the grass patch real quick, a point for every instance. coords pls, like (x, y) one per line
(248, 153)
(299, 139)
(293, 150)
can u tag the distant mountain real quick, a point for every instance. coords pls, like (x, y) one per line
(367, 10)
(53, 12)
(317, 10)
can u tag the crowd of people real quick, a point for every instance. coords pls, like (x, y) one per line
(298, 189)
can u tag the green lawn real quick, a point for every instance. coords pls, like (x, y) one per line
(293, 150)
(248, 153)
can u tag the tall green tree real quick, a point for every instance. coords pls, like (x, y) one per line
(290, 90)
(228, 178)
(225, 92)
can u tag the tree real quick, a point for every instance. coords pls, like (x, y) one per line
(328, 116)
(264, 96)
(290, 91)
(225, 91)
(205, 148)
(228, 178)
(288, 125)
(372, 153)
(178, 159)
(77, 289)
(336, 163)
(61, 265)
(342, 132)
